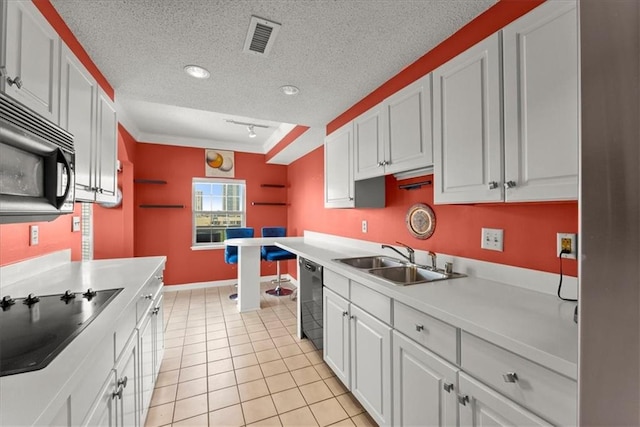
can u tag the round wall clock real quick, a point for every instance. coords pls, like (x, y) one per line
(421, 221)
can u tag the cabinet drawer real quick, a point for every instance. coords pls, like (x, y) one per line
(371, 301)
(549, 394)
(437, 336)
(337, 283)
(148, 294)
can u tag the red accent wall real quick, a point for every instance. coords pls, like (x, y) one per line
(168, 231)
(113, 227)
(54, 236)
(529, 228)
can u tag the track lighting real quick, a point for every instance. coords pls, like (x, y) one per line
(250, 127)
(252, 134)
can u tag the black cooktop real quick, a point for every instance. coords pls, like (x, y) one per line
(35, 329)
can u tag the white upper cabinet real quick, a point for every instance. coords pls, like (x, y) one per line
(338, 168)
(540, 57)
(408, 128)
(467, 126)
(527, 150)
(31, 69)
(78, 102)
(107, 147)
(395, 135)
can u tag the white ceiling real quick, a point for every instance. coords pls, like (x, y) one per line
(335, 51)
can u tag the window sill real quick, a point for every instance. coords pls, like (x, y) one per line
(207, 247)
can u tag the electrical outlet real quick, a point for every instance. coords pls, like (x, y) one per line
(567, 241)
(492, 239)
(75, 224)
(364, 226)
(34, 235)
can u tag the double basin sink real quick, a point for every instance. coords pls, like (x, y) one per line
(398, 272)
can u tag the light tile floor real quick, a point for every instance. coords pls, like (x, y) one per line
(223, 368)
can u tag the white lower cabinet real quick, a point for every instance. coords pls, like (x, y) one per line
(424, 386)
(357, 346)
(104, 411)
(482, 407)
(371, 364)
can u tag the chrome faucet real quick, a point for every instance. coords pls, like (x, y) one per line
(411, 257)
(433, 260)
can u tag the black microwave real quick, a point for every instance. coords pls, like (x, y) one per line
(37, 176)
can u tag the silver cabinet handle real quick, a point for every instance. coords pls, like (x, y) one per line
(463, 399)
(386, 162)
(345, 313)
(149, 296)
(351, 198)
(156, 311)
(352, 317)
(15, 81)
(117, 393)
(380, 164)
(123, 381)
(510, 377)
(509, 184)
(419, 328)
(493, 185)
(448, 387)
(161, 278)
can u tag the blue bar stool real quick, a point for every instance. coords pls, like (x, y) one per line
(231, 252)
(274, 253)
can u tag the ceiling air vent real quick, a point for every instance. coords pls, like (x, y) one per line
(261, 35)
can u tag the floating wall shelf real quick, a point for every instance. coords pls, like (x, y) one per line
(268, 204)
(414, 186)
(273, 185)
(149, 181)
(162, 206)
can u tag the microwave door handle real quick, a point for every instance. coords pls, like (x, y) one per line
(60, 200)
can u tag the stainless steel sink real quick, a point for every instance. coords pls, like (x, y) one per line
(408, 275)
(395, 271)
(369, 262)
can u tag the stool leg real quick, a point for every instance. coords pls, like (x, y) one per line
(279, 291)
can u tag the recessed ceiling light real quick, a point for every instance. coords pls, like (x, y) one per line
(196, 71)
(289, 90)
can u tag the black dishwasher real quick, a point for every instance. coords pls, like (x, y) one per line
(310, 294)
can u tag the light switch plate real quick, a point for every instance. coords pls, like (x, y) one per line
(567, 241)
(34, 235)
(492, 239)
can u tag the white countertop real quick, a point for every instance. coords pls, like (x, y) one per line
(534, 325)
(261, 241)
(25, 397)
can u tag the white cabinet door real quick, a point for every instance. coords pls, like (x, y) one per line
(146, 363)
(107, 146)
(338, 168)
(32, 55)
(482, 407)
(78, 98)
(540, 57)
(128, 385)
(424, 386)
(368, 144)
(104, 411)
(336, 335)
(468, 127)
(371, 364)
(408, 137)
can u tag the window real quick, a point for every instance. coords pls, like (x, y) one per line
(218, 204)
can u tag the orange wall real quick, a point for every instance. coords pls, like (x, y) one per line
(168, 231)
(529, 228)
(54, 236)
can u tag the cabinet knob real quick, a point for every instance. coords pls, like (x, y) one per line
(352, 317)
(419, 328)
(493, 185)
(351, 198)
(345, 313)
(160, 278)
(448, 387)
(15, 81)
(509, 184)
(380, 164)
(463, 399)
(386, 162)
(123, 381)
(149, 296)
(510, 377)
(117, 393)
(156, 311)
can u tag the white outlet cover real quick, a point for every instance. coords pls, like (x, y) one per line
(75, 224)
(492, 239)
(364, 226)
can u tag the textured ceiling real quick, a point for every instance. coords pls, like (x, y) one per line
(335, 51)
